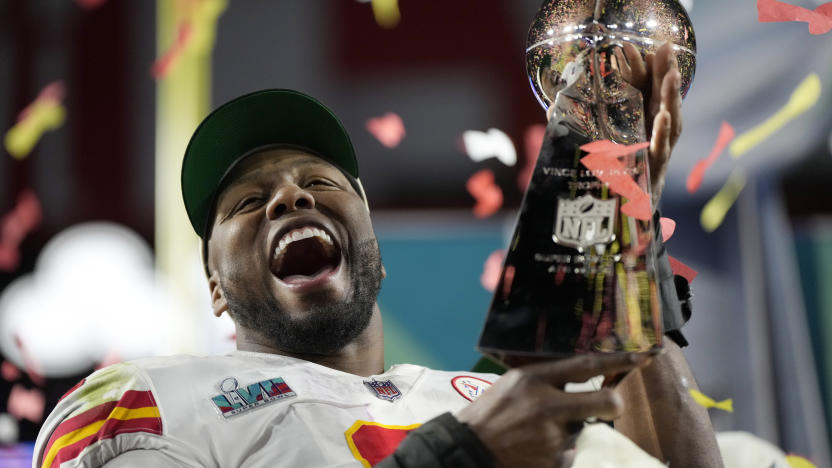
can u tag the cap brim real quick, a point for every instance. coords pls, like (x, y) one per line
(260, 119)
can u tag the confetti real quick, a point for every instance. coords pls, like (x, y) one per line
(491, 270)
(726, 134)
(163, 65)
(493, 144)
(388, 129)
(204, 21)
(9, 371)
(819, 19)
(603, 161)
(796, 461)
(717, 207)
(708, 402)
(45, 113)
(26, 404)
(679, 268)
(488, 195)
(532, 141)
(386, 13)
(668, 227)
(14, 227)
(803, 98)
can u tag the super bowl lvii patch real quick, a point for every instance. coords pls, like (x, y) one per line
(470, 387)
(384, 389)
(235, 399)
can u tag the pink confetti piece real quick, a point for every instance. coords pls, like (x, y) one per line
(14, 226)
(53, 94)
(819, 19)
(491, 270)
(26, 404)
(681, 269)
(726, 134)
(388, 129)
(9, 371)
(488, 195)
(532, 141)
(603, 161)
(162, 66)
(668, 227)
(112, 357)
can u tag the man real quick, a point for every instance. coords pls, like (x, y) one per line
(270, 183)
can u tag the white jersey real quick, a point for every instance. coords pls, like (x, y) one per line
(247, 409)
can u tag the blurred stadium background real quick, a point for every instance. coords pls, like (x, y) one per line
(98, 263)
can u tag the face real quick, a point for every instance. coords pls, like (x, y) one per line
(292, 254)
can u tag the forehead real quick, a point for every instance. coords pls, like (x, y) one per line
(268, 163)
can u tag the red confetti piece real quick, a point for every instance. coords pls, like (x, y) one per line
(668, 227)
(162, 66)
(488, 195)
(388, 129)
(26, 404)
(819, 19)
(9, 371)
(14, 227)
(532, 141)
(681, 269)
(603, 161)
(726, 134)
(491, 270)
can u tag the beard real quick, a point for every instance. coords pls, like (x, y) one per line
(325, 328)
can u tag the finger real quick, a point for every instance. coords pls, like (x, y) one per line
(672, 101)
(638, 68)
(604, 404)
(660, 145)
(582, 368)
(550, 112)
(661, 65)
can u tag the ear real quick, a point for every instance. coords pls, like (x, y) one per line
(218, 303)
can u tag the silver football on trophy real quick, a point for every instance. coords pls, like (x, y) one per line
(607, 33)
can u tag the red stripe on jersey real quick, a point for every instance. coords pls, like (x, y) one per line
(110, 429)
(131, 399)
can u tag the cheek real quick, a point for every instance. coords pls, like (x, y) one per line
(239, 251)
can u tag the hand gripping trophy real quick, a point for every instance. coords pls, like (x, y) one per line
(580, 270)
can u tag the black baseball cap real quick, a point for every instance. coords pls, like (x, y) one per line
(253, 122)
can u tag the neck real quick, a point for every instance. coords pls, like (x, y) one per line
(364, 356)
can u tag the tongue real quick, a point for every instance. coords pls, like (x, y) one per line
(298, 279)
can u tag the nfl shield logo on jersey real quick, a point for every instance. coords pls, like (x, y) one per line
(384, 389)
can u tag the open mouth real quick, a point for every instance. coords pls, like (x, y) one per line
(305, 253)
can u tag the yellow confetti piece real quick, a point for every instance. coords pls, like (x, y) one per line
(205, 24)
(802, 99)
(717, 207)
(708, 402)
(796, 461)
(387, 13)
(44, 115)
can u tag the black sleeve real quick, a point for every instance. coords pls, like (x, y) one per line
(442, 442)
(674, 291)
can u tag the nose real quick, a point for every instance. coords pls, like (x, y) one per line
(287, 199)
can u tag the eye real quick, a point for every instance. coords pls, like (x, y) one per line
(318, 181)
(247, 202)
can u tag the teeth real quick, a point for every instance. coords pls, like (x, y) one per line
(299, 234)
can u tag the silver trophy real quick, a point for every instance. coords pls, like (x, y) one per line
(580, 271)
